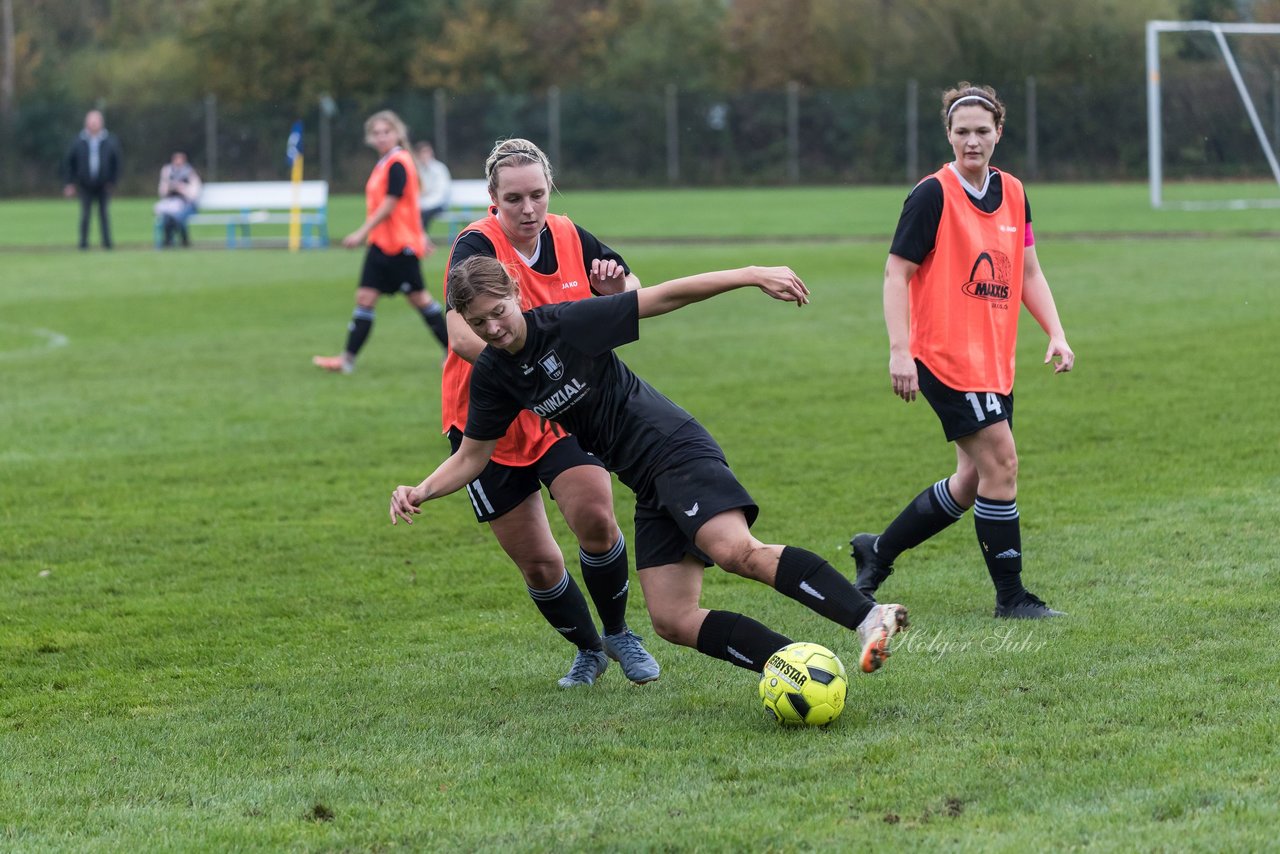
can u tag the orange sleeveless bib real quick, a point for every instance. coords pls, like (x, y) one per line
(966, 296)
(528, 437)
(403, 228)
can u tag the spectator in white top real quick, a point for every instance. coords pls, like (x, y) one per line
(435, 179)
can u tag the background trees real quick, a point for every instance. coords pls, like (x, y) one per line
(608, 65)
(290, 50)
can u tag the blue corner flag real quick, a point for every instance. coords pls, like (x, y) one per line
(294, 149)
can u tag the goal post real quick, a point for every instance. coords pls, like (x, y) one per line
(1155, 128)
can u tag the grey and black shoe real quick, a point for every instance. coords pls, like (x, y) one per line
(872, 571)
(637, 664)
(1027, 607)
(588, 664)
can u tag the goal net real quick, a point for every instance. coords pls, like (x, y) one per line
(1213, 110)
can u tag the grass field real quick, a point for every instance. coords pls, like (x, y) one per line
(212, 639)
(857, 213)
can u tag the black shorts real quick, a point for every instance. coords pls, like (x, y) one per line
(680, 501)
(963, 413)
(499, 489)
(391, 274)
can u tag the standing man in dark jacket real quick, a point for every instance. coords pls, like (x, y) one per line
(92, 167)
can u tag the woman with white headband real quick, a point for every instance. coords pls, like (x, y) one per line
(962, 262)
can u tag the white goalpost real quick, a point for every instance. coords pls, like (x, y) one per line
(1155, 129)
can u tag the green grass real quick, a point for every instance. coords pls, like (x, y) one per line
(213, 640)
(745, 214)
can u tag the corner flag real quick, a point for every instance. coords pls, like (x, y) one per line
(293, 153)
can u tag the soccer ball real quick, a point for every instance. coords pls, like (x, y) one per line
(804, 683)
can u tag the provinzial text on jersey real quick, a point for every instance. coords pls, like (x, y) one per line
(558, 401)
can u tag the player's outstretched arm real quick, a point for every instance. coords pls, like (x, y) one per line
(450, 476)
(781, 283)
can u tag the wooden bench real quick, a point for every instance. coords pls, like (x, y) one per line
(468, 201)
(240, 205)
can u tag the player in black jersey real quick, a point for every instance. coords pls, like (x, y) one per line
(555, 260)
(691, 512)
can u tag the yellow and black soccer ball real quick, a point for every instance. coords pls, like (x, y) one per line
(804, 683)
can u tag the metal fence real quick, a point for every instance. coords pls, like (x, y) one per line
(890, 134)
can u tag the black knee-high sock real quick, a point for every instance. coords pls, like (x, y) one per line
(738, 640)
(928, 513)
(359, 328)
(1000, 536)
(566, 610)
(433, 314)
(817, 585)
(606, 578)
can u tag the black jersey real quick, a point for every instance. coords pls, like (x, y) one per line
(568, 373)
(475, 243)
(917, 228)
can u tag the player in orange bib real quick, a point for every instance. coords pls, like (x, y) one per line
(554, 261)
(962, 263)
(397, 243)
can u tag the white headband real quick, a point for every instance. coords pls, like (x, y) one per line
(959, 101)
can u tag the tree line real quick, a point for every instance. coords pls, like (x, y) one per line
(290, 52)
(744, 91)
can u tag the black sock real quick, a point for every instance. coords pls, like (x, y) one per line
(359, 328)
(606, 578)
(817, 585)
(566, 610)
(1000, 536)
(433, 314)
(738, 640)
(928, 513)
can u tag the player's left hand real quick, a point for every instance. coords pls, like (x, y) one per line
(782, 283)
(354, 240)
(402, 505)
(607, 276)
(1066, 358)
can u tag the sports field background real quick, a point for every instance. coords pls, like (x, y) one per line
(212, 638)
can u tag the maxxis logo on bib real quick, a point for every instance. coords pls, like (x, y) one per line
(989, 278)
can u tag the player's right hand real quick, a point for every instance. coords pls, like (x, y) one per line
(905, 377)
(402, 506)
(782, 283)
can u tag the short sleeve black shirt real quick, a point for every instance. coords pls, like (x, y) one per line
(917, 229)
(568, 373)
(397, 177)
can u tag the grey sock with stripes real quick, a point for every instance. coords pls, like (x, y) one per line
(928, 513)
(606, 578)
(565, 609)
(1000, 536)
